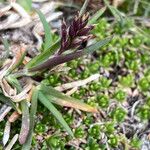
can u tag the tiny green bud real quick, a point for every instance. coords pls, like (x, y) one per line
(136, 41)
(130, 55)
(94, 67)
(72, 73)
(109, 127)
(40, 128)
(79, 132)
(92, 144)
(88, 120)
(105, 83)
(107, 60)
(53, 142)
(118, 114)
(135, 142)
(86, 73)
(120, 95)
(127, 81)
(95, 131)
(113, 140)
(103, 101)
(144, 112)
(132, 65)
(95, 86)
(148, 101)
(144, 84)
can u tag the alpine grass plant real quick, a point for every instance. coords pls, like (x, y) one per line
(120, 93)
(21, 92)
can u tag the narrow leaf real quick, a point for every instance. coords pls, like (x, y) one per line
(64, 100)
(14, 116)
(27, 4)
(116, 13)
(6, 133)
(25, 122)
(4, 111)
(73, 103)
(96, 16)
(8, 101)
(48, 36)
(97, 45)
(18, 62)
(83, 9)
(55, 112)
(5, 55)
(27, 144)
(14, 82)
(57, 60)
(44, 55)
(12, 142)
(6, 45)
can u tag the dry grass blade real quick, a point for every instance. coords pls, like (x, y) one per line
(73, 103)
(14, 116)
(77, 83)
(6, 133)
(4, 9)
(20, 10)
(61, 99)
(20, 55)
(27, 144)
(7, 89)
(4, 111)
(19, 97)
(11, 18)
(5, 55)
(4, 71)
(25, 17)
(12, 142)
(23, 95)
(70, 92)
(25, 122)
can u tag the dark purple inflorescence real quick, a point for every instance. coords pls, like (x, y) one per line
(76, 34)
(72, 37)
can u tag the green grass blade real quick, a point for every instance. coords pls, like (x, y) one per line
(8, 101)
(19, 62)
(55, 112)
(47, 30)
(44, 55)
(116, 13)
(97, 45)
(27, 144)
(6, 54)
(83, 9)
(55, 61)
(96, 16)
(6, 44)
(14, 82)
(27, 4)
(64, 100)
